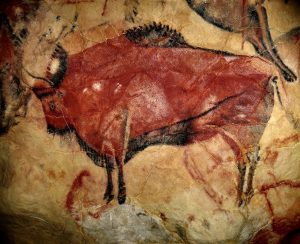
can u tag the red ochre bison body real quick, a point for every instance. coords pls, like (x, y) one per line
(120, 96)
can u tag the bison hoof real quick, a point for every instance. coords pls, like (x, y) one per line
(122, 195)
(245, 198)
(288, 75)
(122, 199)
(108, 197)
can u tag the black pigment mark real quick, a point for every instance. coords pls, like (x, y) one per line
(202, 11)
(4, 22)
(60, 54)
(91, 153)
(15, 87)
(131, 15)
(156, 35)
(174, 134)
(23, 33)
(275, 58)
(182, 233)
(253, 158)
(274, 80)
(53, 130)
(159, 35)
(52, 106)
(242, 172)
(108, 196)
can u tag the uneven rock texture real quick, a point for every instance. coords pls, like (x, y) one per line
(130, 221)
(50, 190)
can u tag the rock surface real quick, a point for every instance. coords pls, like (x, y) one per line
(52, 192)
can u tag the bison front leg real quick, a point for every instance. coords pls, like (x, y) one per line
(242, 172)
(121, 183)
(108, 196)
(120, 157)
(120, 161)
(114, 147)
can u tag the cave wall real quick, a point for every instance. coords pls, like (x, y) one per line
(52, 191)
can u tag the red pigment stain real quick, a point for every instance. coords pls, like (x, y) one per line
(94, 215)
(292, 237)
(283, 226)
(217, 160)
(286, 141)
(283, 230)
(266, 187)
(277, 143)
(97, 214)
(6, 48)
(271, 156)
(272, 175)
(289, 183)
(77, 183)
(191, 167)
(269, 204)
(10, 8)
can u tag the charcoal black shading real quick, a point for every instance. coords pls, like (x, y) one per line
(156, 35)
(60, 54)
(160, 35)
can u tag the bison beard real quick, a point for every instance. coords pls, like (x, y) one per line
(149, 87)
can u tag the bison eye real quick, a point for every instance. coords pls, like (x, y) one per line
(52, 106)
(57, 66)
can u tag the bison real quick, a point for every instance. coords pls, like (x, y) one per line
(149, 86)
(248, 17)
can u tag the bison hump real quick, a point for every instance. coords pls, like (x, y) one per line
(156, 35)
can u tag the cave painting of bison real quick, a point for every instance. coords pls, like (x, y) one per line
(148, 86)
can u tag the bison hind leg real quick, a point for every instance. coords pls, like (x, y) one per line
(108, 196)
(253, 158)
(241, 165)
(242, 172)
(201, 133)
(109, 165)
(122, 187)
